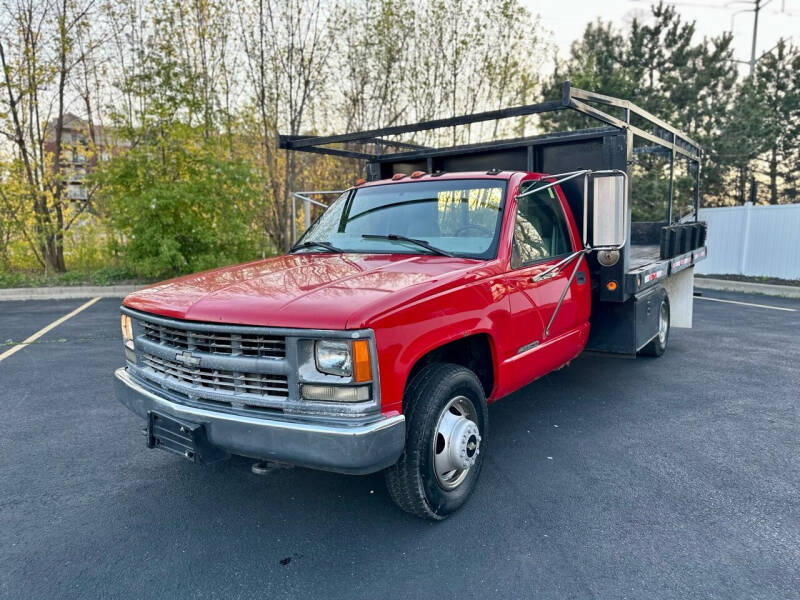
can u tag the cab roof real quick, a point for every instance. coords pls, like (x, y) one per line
(445, 176)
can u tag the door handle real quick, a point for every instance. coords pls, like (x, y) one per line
(580, 277)
(542, 275)
(559, 266)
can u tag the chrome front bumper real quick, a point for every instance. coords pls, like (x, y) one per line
(356, 449)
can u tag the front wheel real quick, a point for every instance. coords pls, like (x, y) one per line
(658, 344)
(446, 428)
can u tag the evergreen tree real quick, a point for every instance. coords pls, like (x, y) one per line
(777, 85)
(658, 65)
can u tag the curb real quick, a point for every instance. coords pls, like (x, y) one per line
(68, 293)
(785, 291)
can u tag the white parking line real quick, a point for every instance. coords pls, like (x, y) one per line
(44, 330)
(746, 303)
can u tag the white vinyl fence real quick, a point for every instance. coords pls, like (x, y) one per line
(752, 240)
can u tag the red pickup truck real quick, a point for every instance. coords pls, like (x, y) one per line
(413, 302)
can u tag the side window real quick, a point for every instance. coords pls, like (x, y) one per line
(540, 229)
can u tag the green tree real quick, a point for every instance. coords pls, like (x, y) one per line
(597, 61)
(777, 85)
(180, 207)
(38, 58)
(658, 65)
(742, 140)
(180, 197)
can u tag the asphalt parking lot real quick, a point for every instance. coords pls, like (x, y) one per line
(676, 477)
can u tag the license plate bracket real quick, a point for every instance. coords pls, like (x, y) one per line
(183, 438)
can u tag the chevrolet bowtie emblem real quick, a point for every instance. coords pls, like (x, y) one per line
(188, 359)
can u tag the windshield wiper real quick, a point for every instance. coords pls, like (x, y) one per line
(402, 238)
(327, 245)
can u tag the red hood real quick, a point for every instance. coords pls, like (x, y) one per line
(317, 291)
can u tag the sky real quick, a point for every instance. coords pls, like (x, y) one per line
(566, 19)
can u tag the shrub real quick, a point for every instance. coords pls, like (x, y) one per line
(180, 208)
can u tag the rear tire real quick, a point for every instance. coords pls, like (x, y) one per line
(446, 428)
(658, 344)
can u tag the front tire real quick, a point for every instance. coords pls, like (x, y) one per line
(658, 344)
(446, 428)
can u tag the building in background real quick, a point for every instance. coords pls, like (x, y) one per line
(83, 145)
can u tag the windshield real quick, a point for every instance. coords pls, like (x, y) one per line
(457, 216)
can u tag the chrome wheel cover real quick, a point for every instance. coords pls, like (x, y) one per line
(456, 442)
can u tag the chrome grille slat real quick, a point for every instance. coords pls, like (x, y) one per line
(234, 344)
(255, 384)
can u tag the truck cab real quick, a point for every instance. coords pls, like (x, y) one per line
(413, 302)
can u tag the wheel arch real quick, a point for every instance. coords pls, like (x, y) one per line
(476, 352)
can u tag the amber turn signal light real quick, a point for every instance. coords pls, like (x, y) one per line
(611, 286)
(360, 181)
(397, 176)
(417, 174)
(362, 369)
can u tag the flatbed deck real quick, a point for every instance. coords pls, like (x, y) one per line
(642, 255)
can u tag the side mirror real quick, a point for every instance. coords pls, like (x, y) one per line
(609, 210)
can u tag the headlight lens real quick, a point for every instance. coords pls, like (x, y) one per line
(334, 357)
(127, 331)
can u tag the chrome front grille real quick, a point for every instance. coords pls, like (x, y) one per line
(234, 382)
(231, 365)
(243, 369)
(235, 344)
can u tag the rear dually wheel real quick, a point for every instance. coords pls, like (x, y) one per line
(658, 344)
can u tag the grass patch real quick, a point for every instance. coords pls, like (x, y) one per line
(103, 276)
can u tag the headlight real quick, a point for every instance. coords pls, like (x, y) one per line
(127, 331)
(333, 357)
(344, 358)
